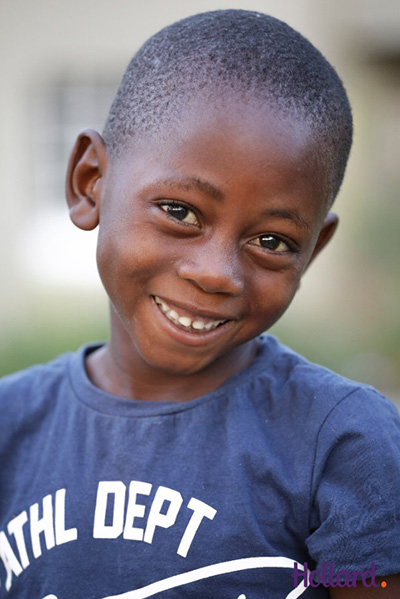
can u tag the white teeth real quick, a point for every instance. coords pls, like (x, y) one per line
(173, 315)
(213, 325)
(198, 325)
(164, 307)
(185, 321)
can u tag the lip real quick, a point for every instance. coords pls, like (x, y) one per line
(186, 336)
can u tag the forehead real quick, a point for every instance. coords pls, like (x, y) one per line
(248, 121)
(216, 141)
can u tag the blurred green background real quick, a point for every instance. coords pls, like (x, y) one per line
(61, 63)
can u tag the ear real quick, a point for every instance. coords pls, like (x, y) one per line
(326, 233)
(86, 167)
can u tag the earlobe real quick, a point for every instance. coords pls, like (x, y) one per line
(326, 233)
(86, 168)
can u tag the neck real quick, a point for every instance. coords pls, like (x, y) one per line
(109, 369)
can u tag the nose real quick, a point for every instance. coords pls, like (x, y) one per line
(214, 269)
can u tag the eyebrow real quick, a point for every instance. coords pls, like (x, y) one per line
(194, 183)
(292, 215)
(210, 190)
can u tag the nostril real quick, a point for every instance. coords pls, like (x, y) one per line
(212, 276)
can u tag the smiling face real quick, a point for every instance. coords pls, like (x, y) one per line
(204, 236)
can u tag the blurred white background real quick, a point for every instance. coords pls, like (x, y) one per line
(61, 61)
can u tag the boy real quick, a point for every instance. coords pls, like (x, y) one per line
(192, 456)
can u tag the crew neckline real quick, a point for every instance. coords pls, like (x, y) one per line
(101, 401)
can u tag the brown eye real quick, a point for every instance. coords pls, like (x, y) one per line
(181, 213)
(271, 243)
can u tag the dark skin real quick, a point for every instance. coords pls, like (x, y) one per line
(207, 263)
(214, 222)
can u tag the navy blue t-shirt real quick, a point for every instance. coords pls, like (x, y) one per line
(223, 497)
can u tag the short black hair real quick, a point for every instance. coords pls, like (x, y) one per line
(248, 52)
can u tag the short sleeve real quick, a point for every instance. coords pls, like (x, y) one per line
(355, 518)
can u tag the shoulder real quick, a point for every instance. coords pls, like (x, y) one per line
(309, 409)
(324, 395)
(34, 376)
(26, 396)
(349, 435)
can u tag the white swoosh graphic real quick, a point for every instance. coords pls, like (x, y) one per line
(236, 565)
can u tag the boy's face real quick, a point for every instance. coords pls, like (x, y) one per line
(205, 233)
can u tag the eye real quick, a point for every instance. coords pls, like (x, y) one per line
(180, 212)
(273, 243)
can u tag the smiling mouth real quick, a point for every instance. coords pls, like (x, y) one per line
(195, 324)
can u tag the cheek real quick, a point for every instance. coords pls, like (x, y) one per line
(125, 259)
(273, 295)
